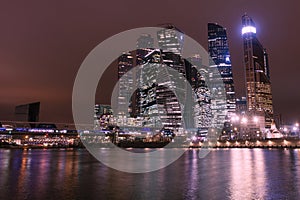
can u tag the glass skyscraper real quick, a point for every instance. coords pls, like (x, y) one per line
(154, 102)
(258, 84)
(125, 66)
(170, 41)
(148, 59)
(203, 115)
(219, 52)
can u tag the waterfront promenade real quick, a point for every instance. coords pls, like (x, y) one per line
(61, 140)
(264, 143)
(49, 135)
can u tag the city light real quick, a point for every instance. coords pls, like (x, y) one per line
(194, 138)
(235, 118)
(255, 119)
(248, 29)
(244, 120)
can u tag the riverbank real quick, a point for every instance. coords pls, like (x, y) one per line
(266, 143)
(269, 143)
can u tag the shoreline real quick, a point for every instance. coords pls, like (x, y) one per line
(64, 142)
(155, 147)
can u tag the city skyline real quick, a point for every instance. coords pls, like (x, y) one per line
(40, 65)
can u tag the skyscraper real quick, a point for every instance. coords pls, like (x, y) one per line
(126, 83)
(170, 40)
(149, 59)
(219, 52)
(258, 84)
(198, 76)
(154, 102)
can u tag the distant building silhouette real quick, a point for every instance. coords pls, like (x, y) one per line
(28, 112)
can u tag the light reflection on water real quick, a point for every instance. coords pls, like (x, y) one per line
(248, 175)
(223, 174)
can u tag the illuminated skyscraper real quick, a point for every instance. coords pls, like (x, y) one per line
(149, 60)
(125, 64)
(258, 85)
(154, 101)
(198, 77)
(158, 103)
(219, 52)
(170, 41)
(157, 79)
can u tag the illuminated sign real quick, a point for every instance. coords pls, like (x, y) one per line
(248, 29)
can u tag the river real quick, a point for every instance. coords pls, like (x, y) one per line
(222, 174)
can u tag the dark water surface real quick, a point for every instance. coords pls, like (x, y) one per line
(223, 174)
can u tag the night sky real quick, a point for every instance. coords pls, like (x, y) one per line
(43, 43)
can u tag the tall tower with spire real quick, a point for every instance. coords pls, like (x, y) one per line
(258, 84)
